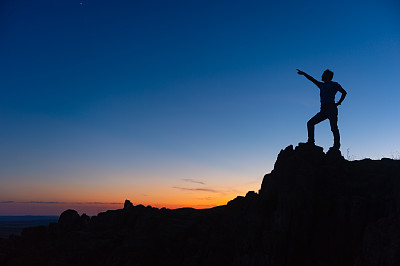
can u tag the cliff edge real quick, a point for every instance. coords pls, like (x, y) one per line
(312, 209)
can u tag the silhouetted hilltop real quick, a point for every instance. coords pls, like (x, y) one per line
(312, 209)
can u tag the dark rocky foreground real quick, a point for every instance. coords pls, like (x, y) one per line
(312, 209)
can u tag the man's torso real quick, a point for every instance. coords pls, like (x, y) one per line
(328, 91)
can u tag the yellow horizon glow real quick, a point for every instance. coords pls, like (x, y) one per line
(188, 186)
(93, 208)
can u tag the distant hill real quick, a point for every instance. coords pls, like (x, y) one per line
(312, 209)
(14, 224)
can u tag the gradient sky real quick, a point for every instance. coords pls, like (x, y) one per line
(182, 103)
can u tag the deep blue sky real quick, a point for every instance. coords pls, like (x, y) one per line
(105, 95)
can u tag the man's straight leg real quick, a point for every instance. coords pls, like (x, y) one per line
(333, 120)
(312, 122)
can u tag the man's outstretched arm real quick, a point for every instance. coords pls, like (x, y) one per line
(313, 80)
(344, 93)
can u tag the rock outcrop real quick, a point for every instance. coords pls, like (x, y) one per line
(312, 209)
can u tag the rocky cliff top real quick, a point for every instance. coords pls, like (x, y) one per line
(312, 209)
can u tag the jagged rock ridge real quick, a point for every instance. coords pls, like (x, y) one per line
(312, 209)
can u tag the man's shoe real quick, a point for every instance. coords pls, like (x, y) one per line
(335, 148)
(310, 142)
(336, 145)
(334, 152)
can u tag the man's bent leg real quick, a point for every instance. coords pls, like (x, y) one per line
(311, 123)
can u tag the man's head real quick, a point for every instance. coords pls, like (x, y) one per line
(327, 75)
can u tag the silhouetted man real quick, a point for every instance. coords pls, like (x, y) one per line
(329, 110)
